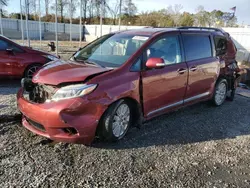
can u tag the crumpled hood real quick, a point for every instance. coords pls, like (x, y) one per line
(59, 71)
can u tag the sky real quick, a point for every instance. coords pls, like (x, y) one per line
(242, 10)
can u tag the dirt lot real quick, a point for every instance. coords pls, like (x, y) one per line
(199, 146)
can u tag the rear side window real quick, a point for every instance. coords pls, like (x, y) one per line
(197, 47)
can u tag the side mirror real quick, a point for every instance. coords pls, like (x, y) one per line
(155, 62)
(10, 50)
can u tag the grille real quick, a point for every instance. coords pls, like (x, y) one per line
(35, 124)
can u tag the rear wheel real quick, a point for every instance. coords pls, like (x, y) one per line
(30, 70)
(220, 92)
(116, 121)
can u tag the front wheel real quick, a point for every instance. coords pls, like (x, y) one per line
(116, 121)
(31, 70)
(220, 92)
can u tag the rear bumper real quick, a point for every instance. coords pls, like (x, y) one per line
(52, 120)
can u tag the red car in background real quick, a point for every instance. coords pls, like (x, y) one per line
(19, 61)
(125, 78)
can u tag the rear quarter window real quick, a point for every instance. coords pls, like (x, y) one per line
(197, 47)
(220, 44)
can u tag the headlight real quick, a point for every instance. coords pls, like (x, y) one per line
(73, 91)
(51, 57)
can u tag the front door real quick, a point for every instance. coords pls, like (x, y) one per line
(164, 88)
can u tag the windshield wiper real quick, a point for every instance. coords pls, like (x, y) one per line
(93, 63)
(74, 58)
(87, 62)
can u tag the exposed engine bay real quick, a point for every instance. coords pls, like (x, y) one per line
(37, 92)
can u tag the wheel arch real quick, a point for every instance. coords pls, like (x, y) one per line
(229, 79)
(136, 110)
(30, 65)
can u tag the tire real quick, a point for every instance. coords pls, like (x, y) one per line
(220, 92)
(30, 70)
(231, 95)
(113, 125)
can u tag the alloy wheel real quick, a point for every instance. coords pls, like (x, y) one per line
(31, 71)
(220, 93)
(121, 121)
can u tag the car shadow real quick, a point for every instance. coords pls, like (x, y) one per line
(9, 86)
(197, 123)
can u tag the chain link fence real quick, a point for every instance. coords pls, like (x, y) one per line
(69, 36)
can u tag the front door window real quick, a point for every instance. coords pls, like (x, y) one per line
(167, 48)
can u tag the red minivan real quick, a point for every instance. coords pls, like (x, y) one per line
(18, 61)
(124, 78)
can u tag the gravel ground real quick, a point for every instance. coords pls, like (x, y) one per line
(198, 146)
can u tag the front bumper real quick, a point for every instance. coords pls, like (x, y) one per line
(54, 119)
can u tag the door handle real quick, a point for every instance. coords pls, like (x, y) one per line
(181, 71)
(193, 69)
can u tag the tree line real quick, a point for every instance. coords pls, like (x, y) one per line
(171, 16)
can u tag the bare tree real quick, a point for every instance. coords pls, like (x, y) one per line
(46, 3)
(129, 8)
(105, 8)
(85, 3)
(70, 10)
(27, 5)
(114, 10)
(61, 6)
(2, 4)
(97, 5)
(202, 17)
(93, 8)
(90, 10)
(175, 13)
(31, 7)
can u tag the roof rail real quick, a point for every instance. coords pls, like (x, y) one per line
(202, 28)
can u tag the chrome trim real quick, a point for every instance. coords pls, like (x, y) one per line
(182, 71)
(160, 64)
(193, 69)
(165, 107)
(196, 97)
(178, 103)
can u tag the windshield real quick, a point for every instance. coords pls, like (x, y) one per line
(111, 50)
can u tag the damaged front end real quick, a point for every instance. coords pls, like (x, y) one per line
(37, 92)
(73, 119)
(41, 93)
